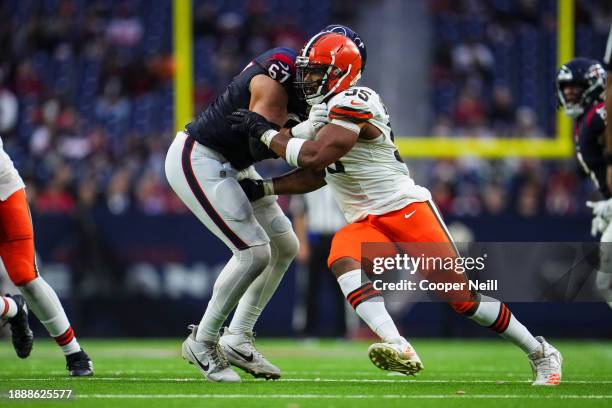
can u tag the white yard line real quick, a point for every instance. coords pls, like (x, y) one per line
(338, 396)
(320, 380)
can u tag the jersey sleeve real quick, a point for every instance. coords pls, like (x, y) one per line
(356, 105)
(279, 64)
(595, 122)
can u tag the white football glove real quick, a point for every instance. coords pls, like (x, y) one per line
(601, 208)
(598, 226)
(317, 118)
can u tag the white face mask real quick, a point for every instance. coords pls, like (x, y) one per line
(315, 100)
(573, 110)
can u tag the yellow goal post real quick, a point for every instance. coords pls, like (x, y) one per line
(559, 146)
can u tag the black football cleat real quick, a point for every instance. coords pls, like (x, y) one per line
(23, 338)
(79, 364)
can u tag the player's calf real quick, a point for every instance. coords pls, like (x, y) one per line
(491, 313)
(394, 353)
(45, 304)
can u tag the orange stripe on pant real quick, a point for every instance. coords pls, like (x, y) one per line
(17, 239)
(415, 229)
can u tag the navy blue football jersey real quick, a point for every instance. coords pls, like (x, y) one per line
(211, 127)
(589, 137)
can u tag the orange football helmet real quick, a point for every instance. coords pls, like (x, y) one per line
(328, 64)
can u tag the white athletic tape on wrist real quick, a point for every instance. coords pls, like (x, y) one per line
(267, 137)
(293, 151)
(268, 186)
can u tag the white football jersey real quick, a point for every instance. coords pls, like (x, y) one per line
(10, 181)
(371, 178)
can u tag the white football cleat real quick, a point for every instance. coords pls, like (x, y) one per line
(396, 355)
(241, 352)
(208, 357)
(546, 364)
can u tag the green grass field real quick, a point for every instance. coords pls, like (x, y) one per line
(139, 373)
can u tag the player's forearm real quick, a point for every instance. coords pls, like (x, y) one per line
(311, 154)
(299, 181)
(315, 154)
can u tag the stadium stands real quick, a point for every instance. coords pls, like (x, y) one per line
(93, 88)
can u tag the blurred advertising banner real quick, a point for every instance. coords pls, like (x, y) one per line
(509, 271)
(139, 275)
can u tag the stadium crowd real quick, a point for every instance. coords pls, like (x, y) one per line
(86, 101)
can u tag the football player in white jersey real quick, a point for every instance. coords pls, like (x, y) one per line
(17, 256)
(354, 153)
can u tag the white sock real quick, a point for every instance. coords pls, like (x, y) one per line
(241, 270)
(495, 315)
(8, 308)
(72, 347)
(45, 304)
(245, 317)
(368, 303)
(283, 249)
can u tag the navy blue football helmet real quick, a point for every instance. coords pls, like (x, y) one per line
(347, 32)
(587, 74)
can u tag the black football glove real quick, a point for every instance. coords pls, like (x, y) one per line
(249, 122)
(254, 189)
(260, 151)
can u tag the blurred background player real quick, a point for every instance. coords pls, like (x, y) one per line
(316, 218)
(604, 277)
(607, 60)
(17, 255)
(355, 154)
(581, 87)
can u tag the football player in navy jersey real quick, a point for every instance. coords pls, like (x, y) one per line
(581, 87)
(607, 60)
(604, 280)
(203, 166)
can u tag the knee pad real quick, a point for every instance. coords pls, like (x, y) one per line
(258, 256)
(286, 244)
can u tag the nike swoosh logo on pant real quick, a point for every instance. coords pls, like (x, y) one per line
(409, 215)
